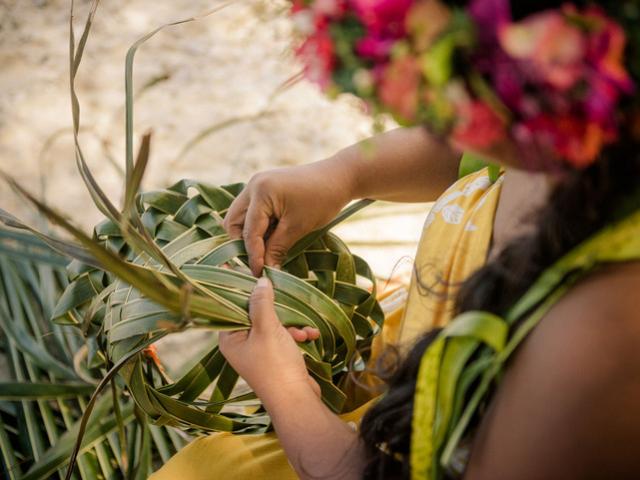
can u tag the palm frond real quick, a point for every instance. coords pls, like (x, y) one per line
(42, 404)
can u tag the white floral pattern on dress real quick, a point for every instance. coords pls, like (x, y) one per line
(470, 227)
(480, 183)
(446, 200)
(452, 214)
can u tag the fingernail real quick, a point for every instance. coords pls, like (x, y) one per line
(262, 282)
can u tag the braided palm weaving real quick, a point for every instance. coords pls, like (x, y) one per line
(317, 286)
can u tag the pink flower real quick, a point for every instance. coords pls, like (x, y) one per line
(555, 47)
(329, 8)
(479, 126)
(398, 88)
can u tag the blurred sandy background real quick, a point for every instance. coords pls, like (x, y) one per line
(207, 89)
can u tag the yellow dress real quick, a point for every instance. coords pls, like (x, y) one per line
(454, 243)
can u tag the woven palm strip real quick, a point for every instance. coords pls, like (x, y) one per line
(318, 286)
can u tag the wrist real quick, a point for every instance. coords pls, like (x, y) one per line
(346, 165)
(280, 398)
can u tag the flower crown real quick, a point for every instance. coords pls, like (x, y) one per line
(552, 82)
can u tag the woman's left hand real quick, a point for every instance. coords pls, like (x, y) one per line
(267, 356)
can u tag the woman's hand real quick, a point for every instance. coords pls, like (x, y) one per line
(317, 443)
(267, 356)
(278, 207)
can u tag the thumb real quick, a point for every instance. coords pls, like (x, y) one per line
(261, 309)
(278, 244)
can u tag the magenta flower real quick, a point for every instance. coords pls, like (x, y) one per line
(606, 50)
(601, 100)
(375, 48)
(383, 19)
(489, 16)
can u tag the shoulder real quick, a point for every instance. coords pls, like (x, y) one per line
(602, 309)
(567, 407)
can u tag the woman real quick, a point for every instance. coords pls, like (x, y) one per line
(567, 406)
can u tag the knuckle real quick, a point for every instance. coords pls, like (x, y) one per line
(259, 180)
(264, 187)
(247, 232)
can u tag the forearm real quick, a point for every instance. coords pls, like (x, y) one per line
(403, 165)
(317, 443)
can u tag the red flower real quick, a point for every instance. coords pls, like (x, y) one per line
(570, 137)
(479, 126)
(398, 88)
(317, 54)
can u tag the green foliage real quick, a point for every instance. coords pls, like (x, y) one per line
(42, 402)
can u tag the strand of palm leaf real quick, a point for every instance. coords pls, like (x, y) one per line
(320, 285)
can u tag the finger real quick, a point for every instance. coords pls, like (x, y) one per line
(312, 333)
(261, 309)
(298, 334)
(279, 243)
(234, 219)
(256, 224)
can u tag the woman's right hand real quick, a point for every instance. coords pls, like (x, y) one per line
(280, 206)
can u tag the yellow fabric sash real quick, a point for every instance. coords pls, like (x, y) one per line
(454, 244)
